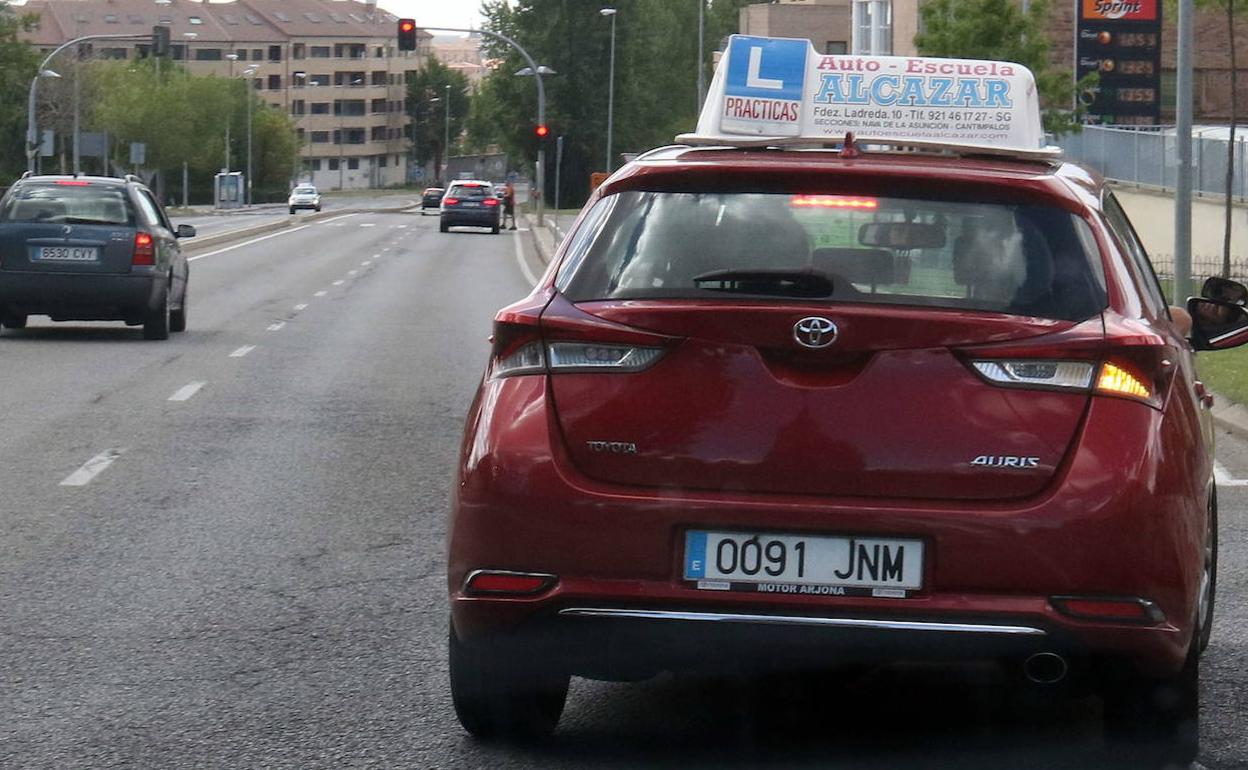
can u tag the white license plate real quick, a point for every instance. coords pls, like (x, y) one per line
(803, 564)
(471, 205)
(68, 253)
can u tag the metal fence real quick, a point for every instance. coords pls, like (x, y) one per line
(1149, 156)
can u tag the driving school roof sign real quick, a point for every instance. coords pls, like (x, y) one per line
(774, 89)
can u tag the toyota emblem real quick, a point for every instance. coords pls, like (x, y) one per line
(814, 332)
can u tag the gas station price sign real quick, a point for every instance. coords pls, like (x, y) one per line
(1120, 40)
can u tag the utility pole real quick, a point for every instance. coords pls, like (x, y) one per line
(1183, 182)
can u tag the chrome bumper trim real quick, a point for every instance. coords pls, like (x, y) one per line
(799, 620)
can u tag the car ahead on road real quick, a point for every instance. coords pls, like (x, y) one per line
(470, 203)
(431, 198)
(305, 196)
(789, 408)
(83, 248)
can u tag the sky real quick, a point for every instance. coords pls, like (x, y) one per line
(452, 13)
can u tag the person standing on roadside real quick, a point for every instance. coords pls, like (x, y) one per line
(509, 205)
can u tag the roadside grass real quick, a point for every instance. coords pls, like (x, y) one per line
(1225, 372)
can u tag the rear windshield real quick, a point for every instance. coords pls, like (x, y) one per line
(472, 192)
(83, 204)
(305, 190)
(1023, 259)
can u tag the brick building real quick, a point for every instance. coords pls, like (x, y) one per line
(332, 65)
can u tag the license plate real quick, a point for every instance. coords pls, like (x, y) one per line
(471, 205)
(803, 564)
(67, 253)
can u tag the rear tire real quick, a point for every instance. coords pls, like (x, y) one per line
(494, 230)
(156, 322)
(444, 227)
(13, 321)
(292, 209)
(1158, 717)
(177, 318)
(502, 693)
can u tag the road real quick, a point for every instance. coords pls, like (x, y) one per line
(213, 223)
(227, 550)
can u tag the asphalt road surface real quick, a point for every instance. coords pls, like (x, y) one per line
(227, 550)
(215, 222)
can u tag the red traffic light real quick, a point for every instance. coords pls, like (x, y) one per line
(407, 26)
(407, 34)
(542, 131)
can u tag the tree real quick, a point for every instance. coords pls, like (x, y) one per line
(18, 62)
(431, 122)
(1000, 30)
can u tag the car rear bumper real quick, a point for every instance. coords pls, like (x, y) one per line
(484, 217)
(82, 297)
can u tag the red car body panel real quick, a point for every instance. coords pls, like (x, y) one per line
(735, 429)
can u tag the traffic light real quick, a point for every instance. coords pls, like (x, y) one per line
(407, 34)
(160, 40)
(541, 132)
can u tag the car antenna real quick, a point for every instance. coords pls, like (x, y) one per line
(849, 148)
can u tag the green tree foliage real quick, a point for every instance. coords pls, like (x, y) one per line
(182, 118)
(656, 43)
(998, 29)
(426, 104)
(18, 61)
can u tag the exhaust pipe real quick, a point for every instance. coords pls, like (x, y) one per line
(1045, 668)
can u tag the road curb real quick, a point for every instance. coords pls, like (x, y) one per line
(1230, 416)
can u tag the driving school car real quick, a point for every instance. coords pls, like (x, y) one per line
(812, 387)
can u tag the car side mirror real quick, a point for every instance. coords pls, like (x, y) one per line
(186, 231)
(1224, 289)
(1217, 324)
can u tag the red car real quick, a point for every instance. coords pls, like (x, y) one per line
(783, 408)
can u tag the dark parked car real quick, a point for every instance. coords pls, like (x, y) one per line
(431, 198)
(471, 203)
(91, 249)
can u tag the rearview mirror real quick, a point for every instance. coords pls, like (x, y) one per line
(1216, 324)
(902, 235)
(186, 231)
(1225, 290)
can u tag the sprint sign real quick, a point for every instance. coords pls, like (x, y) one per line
(764, 86)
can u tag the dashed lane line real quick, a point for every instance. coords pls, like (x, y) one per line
(244, 350)
(274, 327)
(335, 219)
(320, 293)
(185, 392)
(301, 306)
(339, 283)
(91, 468)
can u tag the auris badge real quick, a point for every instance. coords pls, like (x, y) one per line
(814, 332)
(1006, 461)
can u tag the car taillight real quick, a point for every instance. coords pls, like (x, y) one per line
(491, 201)
(144, 250)
(450, 201)
(1142, 375)
(508, 582)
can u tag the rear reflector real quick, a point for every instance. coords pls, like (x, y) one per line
(503, 582)
(144, 250)
(1133, 610)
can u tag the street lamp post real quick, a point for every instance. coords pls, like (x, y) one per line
(249, 73)
(610, 86)
(32, 132)
(233, 57)
(701, 53)
(446, 134)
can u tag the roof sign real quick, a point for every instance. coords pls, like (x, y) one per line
(782, 91)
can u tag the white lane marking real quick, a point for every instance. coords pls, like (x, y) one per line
(524, 266)
(287, 231)
(375, 256)
(301, 306)
(335, 219)
(92, 468)
(352, 272)
(185, 392)
(1224, 477)
(320, 293)
(385, 248)
(339, 283)
(366, 263)
(368, 224)
(244, 350)
(274, 327)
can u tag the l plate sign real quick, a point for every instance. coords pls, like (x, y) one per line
(765, 85)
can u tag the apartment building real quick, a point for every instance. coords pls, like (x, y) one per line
(332, 65)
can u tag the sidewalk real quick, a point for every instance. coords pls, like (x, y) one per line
(545, 238)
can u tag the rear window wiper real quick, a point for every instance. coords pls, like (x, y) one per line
(781, 283)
